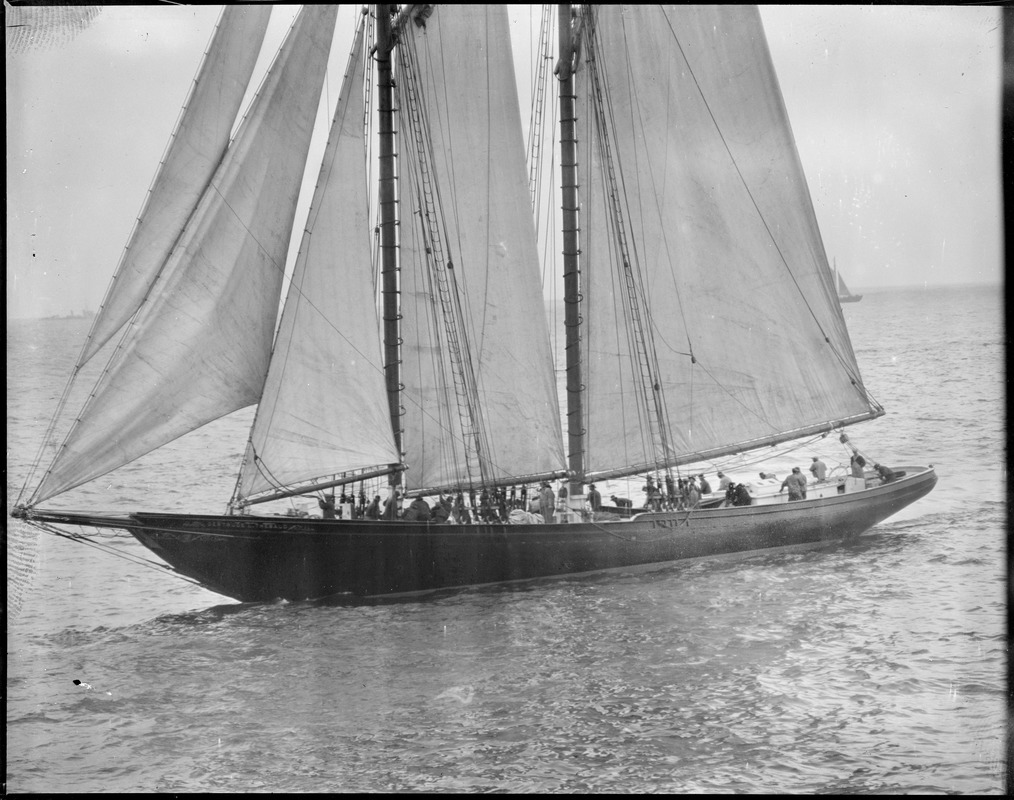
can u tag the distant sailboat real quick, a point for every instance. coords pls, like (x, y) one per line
(701, 315)
(844, 295)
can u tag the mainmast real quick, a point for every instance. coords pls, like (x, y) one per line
(571, 271)
(387, 224)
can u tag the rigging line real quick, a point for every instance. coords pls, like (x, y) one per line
(447, 134)
(731, 465)
(263, 469)
(304, 297)
(48, 437)
(425, 126)
(445, 384)
(409, 90)
(367, 89)
(482, 333)
(659, 397)
(415, 69)
(642, 408)
(546, 228)
(99, 384)
(447, 429)
(443, 422)
(460, 300)
(537, 108)
(652, 175)
(83, 539)
(643, 351)
(632, 288)
(589, 254)
(842, 361)
(733, 397)
(798, 445)
(546, 207)
(752, 412)
(294, 491)
(408, 49)
(450, 431)
(614, 255)
(456, 329)
(442, 419)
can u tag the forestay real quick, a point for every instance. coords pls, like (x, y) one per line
(738, 303)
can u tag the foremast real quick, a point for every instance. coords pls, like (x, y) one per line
(571, 266)
(388, 226)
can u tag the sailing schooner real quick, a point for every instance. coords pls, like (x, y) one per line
(844, 295)
(702, 317)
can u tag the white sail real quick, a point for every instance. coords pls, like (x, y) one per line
(464, 71)
(193, 155)
(743, 340)
(324, 406)
(199, 348)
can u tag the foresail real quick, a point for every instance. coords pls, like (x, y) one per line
(199, 348)
(742, 341)
(194, 153)
(324, 406)
(473, 210)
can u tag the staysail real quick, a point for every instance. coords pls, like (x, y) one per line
(324, 406)
(194, 153)
(468, 240)
(200, 348)
(722, 331)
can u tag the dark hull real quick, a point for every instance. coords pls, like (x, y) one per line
(265, 558)
(849, 298)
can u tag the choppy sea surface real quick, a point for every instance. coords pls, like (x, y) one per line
(871, 668)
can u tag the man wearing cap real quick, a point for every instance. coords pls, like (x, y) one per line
(594, 498)
(693, 493)
(796, 484)
(886, 473)
(819, 469)
(327, 506)
(547, 503)
(723, 482)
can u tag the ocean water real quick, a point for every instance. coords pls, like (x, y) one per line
(877, 667)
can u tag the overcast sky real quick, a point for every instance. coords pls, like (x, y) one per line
(895, 111)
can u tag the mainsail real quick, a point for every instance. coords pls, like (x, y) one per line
(324, 406)
(199, 348)
(192, 157)
(712, 324)
(480, 395)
